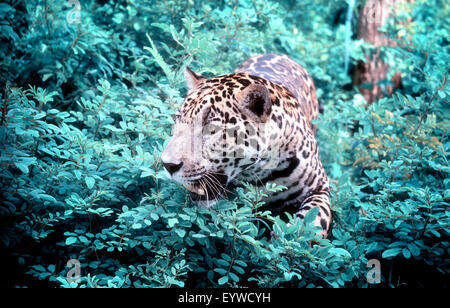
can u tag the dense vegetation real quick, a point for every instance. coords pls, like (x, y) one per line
(87, 98)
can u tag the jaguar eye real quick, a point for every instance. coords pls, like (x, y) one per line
(211, 129)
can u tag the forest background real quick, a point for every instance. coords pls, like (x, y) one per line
(87, 94)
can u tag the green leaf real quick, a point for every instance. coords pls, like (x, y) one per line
(340, 252)
(238, 269)
(220, 271)
(172, 221)
(90, 181)
(391, 252)
(70, 240)
(136, 225)
(223, 280)
(406, 253)
(225, 257)
(415, 251)
(180, 232)
(39, 268)
(234, 277)
(47, 197)
(159, 59)
(22, 167)
(311, 215)
(223, 263)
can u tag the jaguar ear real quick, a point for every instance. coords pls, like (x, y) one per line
(255, 102)
(192, 78)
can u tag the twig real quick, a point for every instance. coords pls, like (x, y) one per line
(425, 112)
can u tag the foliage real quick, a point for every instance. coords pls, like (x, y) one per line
(87, 109)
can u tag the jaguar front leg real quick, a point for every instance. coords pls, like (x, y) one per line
(324, 217)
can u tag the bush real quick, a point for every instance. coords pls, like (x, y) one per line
(87, 109)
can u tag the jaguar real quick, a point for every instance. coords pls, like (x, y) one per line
(255, 124)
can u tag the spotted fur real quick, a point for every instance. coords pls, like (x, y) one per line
(254, 124)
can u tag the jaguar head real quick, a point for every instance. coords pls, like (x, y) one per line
(221, 129)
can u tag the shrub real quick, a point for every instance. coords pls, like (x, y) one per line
(87, 109)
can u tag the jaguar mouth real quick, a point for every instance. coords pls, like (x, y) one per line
(208, 187)
(199, 190)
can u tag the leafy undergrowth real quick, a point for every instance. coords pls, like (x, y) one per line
(87, 109)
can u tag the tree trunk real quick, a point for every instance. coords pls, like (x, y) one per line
(369, 74)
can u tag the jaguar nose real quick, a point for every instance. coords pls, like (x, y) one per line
(171, 167)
